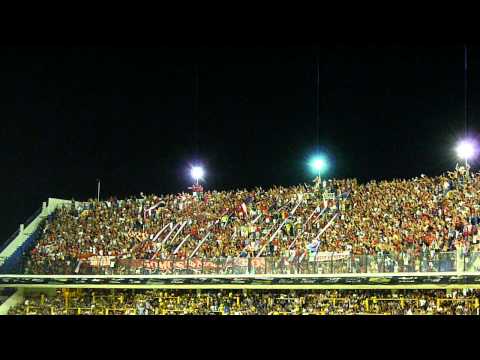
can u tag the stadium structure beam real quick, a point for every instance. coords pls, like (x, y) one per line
(170, 233)
(161, 242)
(160, 232)
(198, 246)
(181, 244)
(292, 281)
(303, 228)
(256, 219)
(178, 232)
(317, 238)
(280, 227)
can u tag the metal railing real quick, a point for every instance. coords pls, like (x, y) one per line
(17, 232)
(334, 264)
(33, 217)
(471, 262)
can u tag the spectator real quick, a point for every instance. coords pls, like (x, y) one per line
(403, 224)
(188, 302)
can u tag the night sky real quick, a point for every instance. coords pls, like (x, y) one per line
(131, 118)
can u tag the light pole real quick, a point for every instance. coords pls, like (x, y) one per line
(98, 190)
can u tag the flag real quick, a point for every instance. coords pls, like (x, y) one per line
(244, 209)
(77, 269)
(312, 246)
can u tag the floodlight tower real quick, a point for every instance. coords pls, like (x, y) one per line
(318, 164)
(197, 173)
(465, 150)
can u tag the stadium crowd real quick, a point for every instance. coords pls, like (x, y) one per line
(221, 302)
(402, 221)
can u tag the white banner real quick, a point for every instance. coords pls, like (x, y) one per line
(328, 256)
(329, 196)
(101, 260)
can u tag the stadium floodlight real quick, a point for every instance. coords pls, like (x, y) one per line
(318, 164)
(197, 173)
(465, 150)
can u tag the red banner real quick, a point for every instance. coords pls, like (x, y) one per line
(258, 264)
(195, 264)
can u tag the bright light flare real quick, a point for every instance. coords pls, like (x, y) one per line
(465, 150)
(197, 173)
(318, 164)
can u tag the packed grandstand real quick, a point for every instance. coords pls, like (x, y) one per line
(387, 226)
(419, 225)
(234, 302)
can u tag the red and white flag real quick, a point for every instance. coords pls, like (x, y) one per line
(77, 269)
(244, 209)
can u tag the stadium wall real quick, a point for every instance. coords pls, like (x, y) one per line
(13, 250)
(13, 300)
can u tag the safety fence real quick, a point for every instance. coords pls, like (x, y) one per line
(471, 262)
(326, 263)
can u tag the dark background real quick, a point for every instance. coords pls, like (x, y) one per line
(131, 118)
